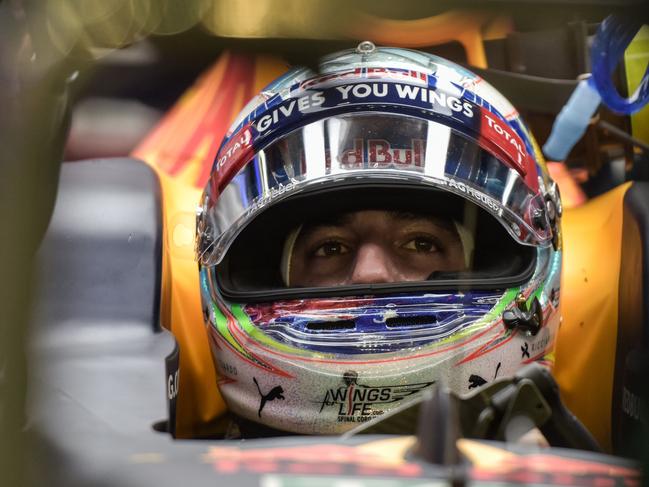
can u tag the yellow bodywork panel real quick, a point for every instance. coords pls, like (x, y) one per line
(199, 400)
(586, 343)
(636, 58)
(181, 150)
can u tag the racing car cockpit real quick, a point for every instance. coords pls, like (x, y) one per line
(363, 268)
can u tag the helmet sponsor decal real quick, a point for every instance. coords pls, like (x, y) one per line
(380, 152)
(453, 106)
(276, 392)
(511, 142)
(476, 380)
(432, 99)
(236, 147)
(356, 403)
(474, 194)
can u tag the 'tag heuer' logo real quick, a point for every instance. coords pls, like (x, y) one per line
(358, 403)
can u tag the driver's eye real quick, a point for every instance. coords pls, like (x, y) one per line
(331, 248)
(421, 244)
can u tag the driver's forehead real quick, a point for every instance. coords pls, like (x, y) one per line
(376, 219)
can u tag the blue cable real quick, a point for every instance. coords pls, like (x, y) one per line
(612, 38)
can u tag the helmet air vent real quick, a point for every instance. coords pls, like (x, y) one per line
(331, 325)
(404, 321)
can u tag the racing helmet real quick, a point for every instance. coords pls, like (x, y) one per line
(388, 130)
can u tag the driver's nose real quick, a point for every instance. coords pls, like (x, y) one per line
(372, 265)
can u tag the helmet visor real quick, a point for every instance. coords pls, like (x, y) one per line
(360, 148)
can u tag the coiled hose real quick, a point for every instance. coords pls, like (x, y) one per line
(613, 36)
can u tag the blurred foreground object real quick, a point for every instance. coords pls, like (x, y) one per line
(505, 410)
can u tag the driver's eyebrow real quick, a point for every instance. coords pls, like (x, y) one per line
(444, 223)
(337, 220)
(342, 219)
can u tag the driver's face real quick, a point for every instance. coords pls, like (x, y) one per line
(372, 246)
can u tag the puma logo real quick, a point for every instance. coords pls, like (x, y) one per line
(275, 393)
(476, 381)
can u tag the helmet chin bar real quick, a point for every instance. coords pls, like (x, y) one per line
(313, 380)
